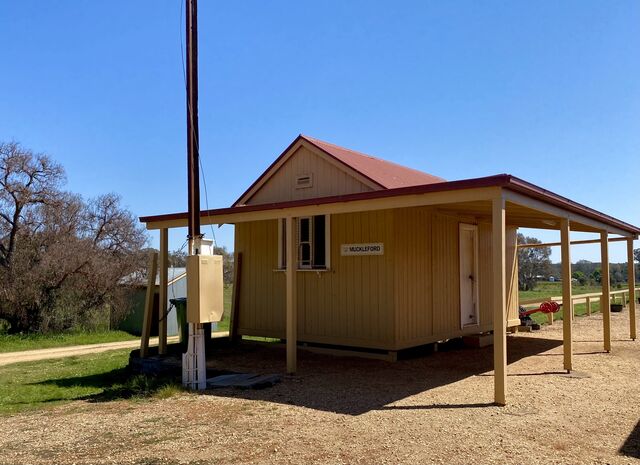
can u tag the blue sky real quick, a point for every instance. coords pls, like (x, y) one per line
(547, 91)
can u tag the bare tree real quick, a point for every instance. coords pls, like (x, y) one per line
(26, 181)
(178, 258)
(60, 257)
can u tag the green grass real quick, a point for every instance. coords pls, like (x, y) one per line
(260, 339)
(224, 324)
(546, 289)
(18, 342)
(98, 378)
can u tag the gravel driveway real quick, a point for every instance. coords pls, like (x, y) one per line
(433, 408)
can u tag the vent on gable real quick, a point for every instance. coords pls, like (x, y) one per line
(304, 180)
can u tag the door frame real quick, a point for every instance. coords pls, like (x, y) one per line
(463, 227)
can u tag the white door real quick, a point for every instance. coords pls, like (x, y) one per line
(468, 275)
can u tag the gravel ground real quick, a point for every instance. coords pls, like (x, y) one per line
(435, 408)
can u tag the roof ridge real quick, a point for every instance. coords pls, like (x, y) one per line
(314, 141)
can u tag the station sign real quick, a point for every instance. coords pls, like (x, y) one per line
(362, 249)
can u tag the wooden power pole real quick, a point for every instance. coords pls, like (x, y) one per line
(194, 370)
(193, 138)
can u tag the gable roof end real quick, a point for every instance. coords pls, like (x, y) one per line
(383, 173)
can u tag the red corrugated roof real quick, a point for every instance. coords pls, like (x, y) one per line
(387, 174)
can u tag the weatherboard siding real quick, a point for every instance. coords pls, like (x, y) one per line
(328, 180)
(406, 297)
(427, 279)
(413, 294)
(446, 277)
(350, 304)
(262, 291)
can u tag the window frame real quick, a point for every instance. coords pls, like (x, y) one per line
(306, 264)
(282, 245)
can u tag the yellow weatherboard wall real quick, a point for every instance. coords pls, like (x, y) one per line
(406, 297)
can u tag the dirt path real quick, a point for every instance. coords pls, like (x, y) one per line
(68, 351)
(433, 408)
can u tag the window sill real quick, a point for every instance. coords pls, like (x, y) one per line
(313, 270)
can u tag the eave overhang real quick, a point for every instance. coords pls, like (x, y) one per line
(515, 190)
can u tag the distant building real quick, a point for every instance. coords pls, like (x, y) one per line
(177, 287)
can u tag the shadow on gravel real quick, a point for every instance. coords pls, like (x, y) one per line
(354, 386)
(346, 385)
(631, 447)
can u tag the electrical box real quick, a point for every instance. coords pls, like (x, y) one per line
(204, 288)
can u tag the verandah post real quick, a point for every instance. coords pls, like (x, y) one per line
(292, 320)
(567, 299)
(499, 301)
(606, 290)
(163, 290)
(152, 269)
(631, 272)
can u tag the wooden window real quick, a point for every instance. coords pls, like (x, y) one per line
(305, 234)
(319, 244)
(312, 243)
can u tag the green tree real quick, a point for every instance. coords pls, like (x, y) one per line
(580, 277)
(532, 262)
